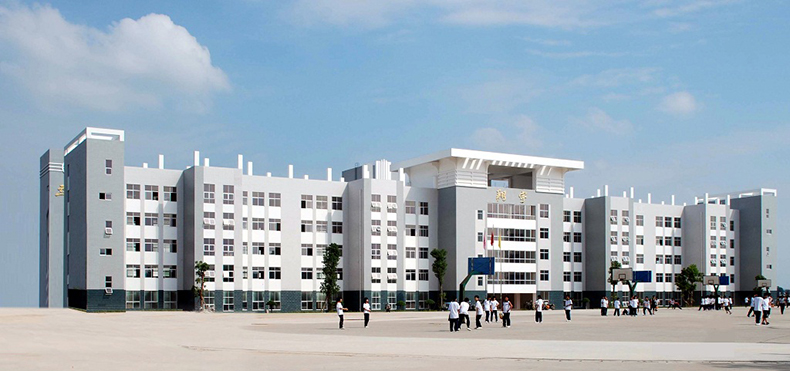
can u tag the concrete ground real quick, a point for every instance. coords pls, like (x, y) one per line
(64, 339)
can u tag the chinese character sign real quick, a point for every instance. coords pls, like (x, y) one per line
(501, 195)
(522, 196)
(59, 193)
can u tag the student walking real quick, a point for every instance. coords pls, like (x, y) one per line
(653, 305)
(453, 307)
(634, 306)
(616, 307)
(478, 312)
(506, 307)
(751, 305)
(604, 306)
(539, 310)
(494, 306)
(340, 310)
(766, 305)
(646, 307)
(487, 308)
(757, 308)
(463, 315)
(568, 305)
(782, 304)
(366, 311)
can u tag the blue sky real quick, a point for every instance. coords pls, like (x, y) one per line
(670, 97)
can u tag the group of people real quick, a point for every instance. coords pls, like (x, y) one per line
(761, 307)
(629, 307)
(459, 312)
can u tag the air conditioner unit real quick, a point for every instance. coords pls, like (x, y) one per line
(392, 252)
(614, 258)
(626, 220)
(212, 221)
(392, 205)
(723, 226)
(375, 276)
(375, 228)
(108, 291)
(625, 259)
(723, 244)
(392, 276)
(625, 239)
(713, 261)
(228, 221)
(392, 229)
(108, 231)
(723, 263)
(613, 219)
(613, 239)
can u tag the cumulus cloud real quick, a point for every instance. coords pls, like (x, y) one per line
(522, 135)
(134, 63)
(680, 103)
(598, 120)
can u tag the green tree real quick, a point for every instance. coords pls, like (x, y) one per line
(757, 289)
(613, 281)
(439, 268)
(200, 279)
(686, 282)
(331, 259)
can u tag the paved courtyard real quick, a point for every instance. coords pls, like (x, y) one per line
(64, 339)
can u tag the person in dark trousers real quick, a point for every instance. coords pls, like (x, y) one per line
(463, 315)
(616, 307)
(478, 313)
(782, 304)
(340, 310)
(366, 311)
(751, 306)
(539, 310)
(568, 305)
(604, 306)
(487, 308)
(757, 306)
(453, 307)
(506, 307)
(494, 307)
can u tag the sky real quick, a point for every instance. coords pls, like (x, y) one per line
(670, 97)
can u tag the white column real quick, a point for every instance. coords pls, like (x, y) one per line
(249, 167)
(145, 165)
(268, 174)
(649, 198)
(240, 164)
(306, 177)
(571, 192)
(673, 200)
(632, 192)
(206, 162)
(329, 174)
(197, 158)
(365, 172)
(161, 161)
(598, 193)
(290, 171)
(606, 190)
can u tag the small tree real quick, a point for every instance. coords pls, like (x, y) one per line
(439, 268)
(200, 279)
(612, 280)
(331, 259)
(686, 282)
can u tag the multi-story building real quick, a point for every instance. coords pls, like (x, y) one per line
(117, 237)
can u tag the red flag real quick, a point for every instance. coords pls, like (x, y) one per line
(492, 239)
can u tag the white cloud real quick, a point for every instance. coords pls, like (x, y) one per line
(680, 103)
(134, 63)
(548, 42)
(618, 77)
(522, 136)
(598, 120)
(688, 7)
(577, 54)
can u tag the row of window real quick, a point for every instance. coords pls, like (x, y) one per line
(150, 219)
(392, 252)
(321, 202)
(150, 271)
(566, 216)
(392, 205)
(151, 300)
(151, 192)
(150, 245)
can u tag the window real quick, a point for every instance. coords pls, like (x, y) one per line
(228, 221)
(274, 199)
(307, 226)
(392, 204)
(659, 241)
(423, 253)
(423, 208)
(228, 194)
(321, 226)
(423, 275)
(208, 193)
(392, 299)
(411, 230)
(151, 219)
(392, 228)
(227, 247)
(170, 193)
(227, 273)
(132, 271)
(732, 243)
(544, 254)
(678, 260)
(392, 252)
(668, 221)
(577, 276)
(108, 167)
(132, 218)
(105, 251)
(566, 276)
(566, 236)
(152, 192)
(613, 217)
(274, 273)
(411, 300)
(640, 239)
(479, 214)
(375, 275)
(392, 275)
(133, 244)
(577, 237)
(375, 203)
(677, 241)
(208, 220)
(640, 259)
(659, 259)
(274, 249)
(713, 223)
(337, 227)
(659, 277)
(169, 220)
(544, 211)
(577, 257)
(566, 256)
(307, 250)
(208, 246)
(133, 191)
(375, 251)
(307, 202)
(106, 196)
(337, 203)
(274, 224)
(640, 220)
(577, 216)
(423, 231)
(169, 271)
(257, 198)
(566, 216)
(769, 231)
(151, 245)
(677, 223)
(108, 224)
(321, 202)
(411, 275)
(544, 233)
(732, 278)
(133, 300)
(108, 282)
(375, 300)
(411, 207)
(227, 301)
(375, 227)
(544, 275)
(659, 221)
(667, 259)
(411, 252)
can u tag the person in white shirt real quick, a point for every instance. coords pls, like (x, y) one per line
(604, 306)
(494, 306)
(750, 303)
(478, 312)
(463, 315)
(366, 311)
(634, 306)
(453, 307)
(616, 307)
(539, 310)
(340, 310)
(727, 304)
(568, 304)
(782, 303)
(768, 302)
(646, 307)
(506, 307)
(487, 308)
(757, 306)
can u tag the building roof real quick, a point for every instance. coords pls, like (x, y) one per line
(495, 158)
